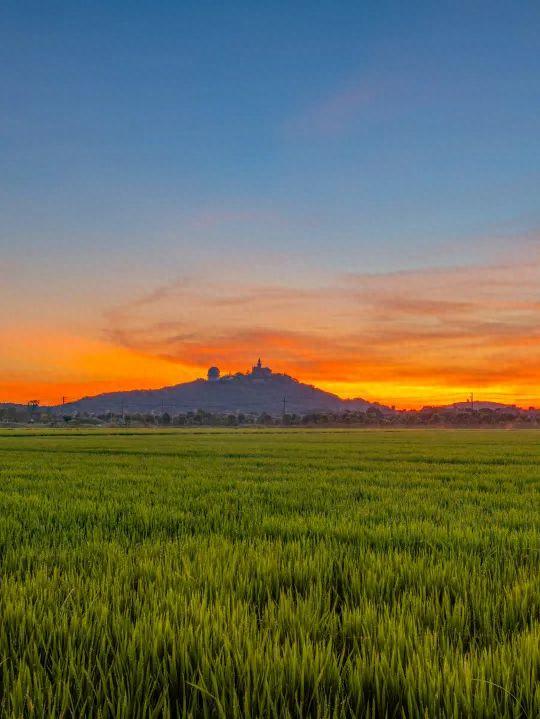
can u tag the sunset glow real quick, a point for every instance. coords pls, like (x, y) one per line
(342, 197)
(407, 339)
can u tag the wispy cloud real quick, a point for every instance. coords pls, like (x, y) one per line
(463, 326)
(333, 113)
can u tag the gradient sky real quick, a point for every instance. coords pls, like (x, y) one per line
(350, 190)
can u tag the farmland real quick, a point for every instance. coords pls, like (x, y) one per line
(270, 573)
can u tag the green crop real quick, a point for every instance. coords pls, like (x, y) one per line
(270, 574)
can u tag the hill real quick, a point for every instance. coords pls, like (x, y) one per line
(478, 405)
(484, 405)
(255, 392)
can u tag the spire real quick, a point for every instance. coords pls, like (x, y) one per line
(259, 363)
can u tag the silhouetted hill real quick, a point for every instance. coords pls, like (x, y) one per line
(236, 393)
(478, 405)
(483, 405)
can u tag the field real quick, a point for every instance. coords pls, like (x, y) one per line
(270, 573)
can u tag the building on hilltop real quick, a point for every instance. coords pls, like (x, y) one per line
(260, 372)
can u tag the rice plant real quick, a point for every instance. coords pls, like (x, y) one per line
(270, 574)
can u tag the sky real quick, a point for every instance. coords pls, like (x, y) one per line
(348, 190)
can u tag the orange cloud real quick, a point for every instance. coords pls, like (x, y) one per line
(404, 338)
(399, 337)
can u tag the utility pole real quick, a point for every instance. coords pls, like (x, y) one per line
(472, 401)
(284, 405)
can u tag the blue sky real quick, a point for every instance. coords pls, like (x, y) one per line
(140, 142)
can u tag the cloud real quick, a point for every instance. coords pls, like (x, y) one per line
(458, 327)
(335, 112)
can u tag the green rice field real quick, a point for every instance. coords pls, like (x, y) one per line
(269, 573)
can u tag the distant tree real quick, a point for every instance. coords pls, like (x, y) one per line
(374, 413)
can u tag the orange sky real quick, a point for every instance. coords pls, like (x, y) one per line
(348, 193)
(404, 338)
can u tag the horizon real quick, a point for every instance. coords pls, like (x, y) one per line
(228, 374)
(349, 191)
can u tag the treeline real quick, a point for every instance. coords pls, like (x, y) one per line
(427, 418)
(373, 417)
